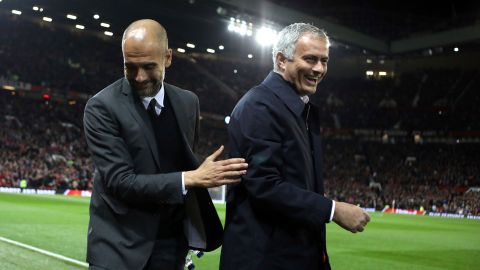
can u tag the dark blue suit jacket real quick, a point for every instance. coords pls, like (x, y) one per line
(276, 216)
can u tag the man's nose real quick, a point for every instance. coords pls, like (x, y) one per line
(141, 75)
(319, 67)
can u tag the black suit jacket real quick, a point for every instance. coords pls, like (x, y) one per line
(128, 192)
(276, 216)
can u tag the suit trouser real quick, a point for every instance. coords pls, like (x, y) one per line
(168, 254)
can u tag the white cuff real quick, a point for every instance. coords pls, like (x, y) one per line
(184, 191)
(333, 211)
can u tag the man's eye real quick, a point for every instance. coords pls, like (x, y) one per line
(149, 67)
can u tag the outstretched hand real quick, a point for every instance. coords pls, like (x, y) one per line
(213, 173)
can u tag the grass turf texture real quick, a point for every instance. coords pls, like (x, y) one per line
(59, 224)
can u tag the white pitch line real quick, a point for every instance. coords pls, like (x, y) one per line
(45, 252)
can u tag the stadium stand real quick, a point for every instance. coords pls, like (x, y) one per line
(41, 138)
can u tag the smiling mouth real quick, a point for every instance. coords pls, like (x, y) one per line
(312, 79)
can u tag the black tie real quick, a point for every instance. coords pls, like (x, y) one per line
(151, 108)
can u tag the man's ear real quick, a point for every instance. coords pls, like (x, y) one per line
(168, 58)
(281, 61)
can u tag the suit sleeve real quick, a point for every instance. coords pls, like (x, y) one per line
(115, 165)
(258, 134)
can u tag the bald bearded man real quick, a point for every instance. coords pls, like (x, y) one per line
(149, 200)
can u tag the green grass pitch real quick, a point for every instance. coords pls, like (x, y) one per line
(59, 224)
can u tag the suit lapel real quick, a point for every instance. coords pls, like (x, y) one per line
(134, 106)
(288, 95)
(181, 109)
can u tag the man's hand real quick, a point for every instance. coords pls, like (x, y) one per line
(350, 217)
(216, 173)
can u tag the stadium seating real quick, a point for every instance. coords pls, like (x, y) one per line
(41, 140)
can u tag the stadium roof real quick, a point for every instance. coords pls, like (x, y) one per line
(383, 27)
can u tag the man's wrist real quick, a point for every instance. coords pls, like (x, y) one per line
(188, 178)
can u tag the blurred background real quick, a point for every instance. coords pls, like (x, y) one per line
(399, 109)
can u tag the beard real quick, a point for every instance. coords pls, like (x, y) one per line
(148, 88)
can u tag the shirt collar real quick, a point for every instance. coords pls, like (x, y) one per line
(305, 99)
(159, 97)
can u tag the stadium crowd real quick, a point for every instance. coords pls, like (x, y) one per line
(433, 177)
(42, 140)
(422, 100)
